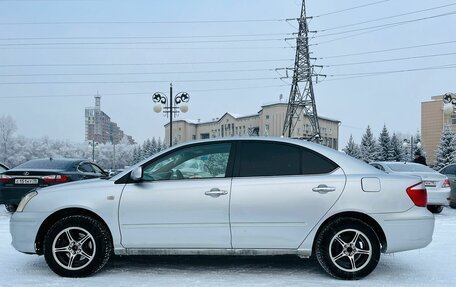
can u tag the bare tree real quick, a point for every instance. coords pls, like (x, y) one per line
(7, 129)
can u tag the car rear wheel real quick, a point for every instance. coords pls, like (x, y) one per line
(77, 246)
(435, 208)
(347, 249)
(10, 207)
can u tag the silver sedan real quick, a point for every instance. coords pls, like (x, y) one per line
(437, 185)
(261, 196)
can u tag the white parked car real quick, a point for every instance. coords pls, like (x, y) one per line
(437, 185)
(261, 196)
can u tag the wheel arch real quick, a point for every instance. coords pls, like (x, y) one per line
(53, 218)
(357, 215)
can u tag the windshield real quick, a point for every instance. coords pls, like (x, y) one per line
(409, 167)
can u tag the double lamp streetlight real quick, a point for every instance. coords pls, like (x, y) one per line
(171, 106)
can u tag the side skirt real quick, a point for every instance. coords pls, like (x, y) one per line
(237, 252)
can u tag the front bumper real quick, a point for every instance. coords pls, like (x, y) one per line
(408, 230)
(24, 228)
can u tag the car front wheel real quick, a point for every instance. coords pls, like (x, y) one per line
(347, 249)
(435, 208)
(77, 246)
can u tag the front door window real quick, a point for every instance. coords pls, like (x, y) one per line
(201, 161)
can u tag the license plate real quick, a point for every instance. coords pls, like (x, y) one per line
(429, 184)
(26, 181)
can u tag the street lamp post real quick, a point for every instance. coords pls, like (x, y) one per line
(92, 144)
(171, 106)
(413, 143)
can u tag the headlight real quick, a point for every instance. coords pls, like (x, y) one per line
(25, 200)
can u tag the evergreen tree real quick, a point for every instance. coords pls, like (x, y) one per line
(137, 155)
(385, 150)
(368, 148)
(154, 148)
(418, 140)
(146, 149)
(446, 149)
(398, 150)
(352, 149)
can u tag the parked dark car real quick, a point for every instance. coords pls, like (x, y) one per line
(3, 168)
(450, 172)
(18, 181)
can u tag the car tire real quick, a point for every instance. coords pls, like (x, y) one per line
(77, 246)
(453, 205)
(347, 248)
(435, 208)
(10, 207)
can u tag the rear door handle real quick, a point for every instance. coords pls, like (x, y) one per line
(323, 188)
(215, 192)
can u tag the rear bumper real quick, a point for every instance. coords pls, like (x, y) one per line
(13, 195)
(408, 230)
(439, 196)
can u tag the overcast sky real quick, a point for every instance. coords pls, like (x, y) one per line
(44, 102)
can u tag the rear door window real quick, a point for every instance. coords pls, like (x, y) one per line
(449, 170)
(268, 159)
(86, 167)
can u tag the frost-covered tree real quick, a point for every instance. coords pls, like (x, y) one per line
(446, 149)
(398, 150)
(368, 148)
(137, 155)
(7, 129)
(385, 150)
(352, 148)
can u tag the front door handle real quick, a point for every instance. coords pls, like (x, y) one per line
(215, 192)
(323, 188)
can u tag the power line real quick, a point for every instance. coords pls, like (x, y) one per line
(388, 50)
(145, 22)
(148, 48)
(388, 17)
(351, 36)
(349, 9)
(140, 93)
(137, 81)
(137, 73)
(142, 37)
(379, 73)
(390, 60)
(139, 43)
(144, 64)
(393, 24)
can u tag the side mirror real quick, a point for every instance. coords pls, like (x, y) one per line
(136, 174)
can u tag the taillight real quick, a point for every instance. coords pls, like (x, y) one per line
(418, 194)
(4, 178)
(55, 178)
(446, 183)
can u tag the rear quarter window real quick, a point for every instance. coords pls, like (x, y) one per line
(315, 163)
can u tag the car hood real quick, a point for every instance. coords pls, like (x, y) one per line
(93, 184)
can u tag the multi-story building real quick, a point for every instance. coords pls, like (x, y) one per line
(433, 119)
(268, 121)
(100, 128)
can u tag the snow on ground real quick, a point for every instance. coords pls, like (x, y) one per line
(434, 265)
